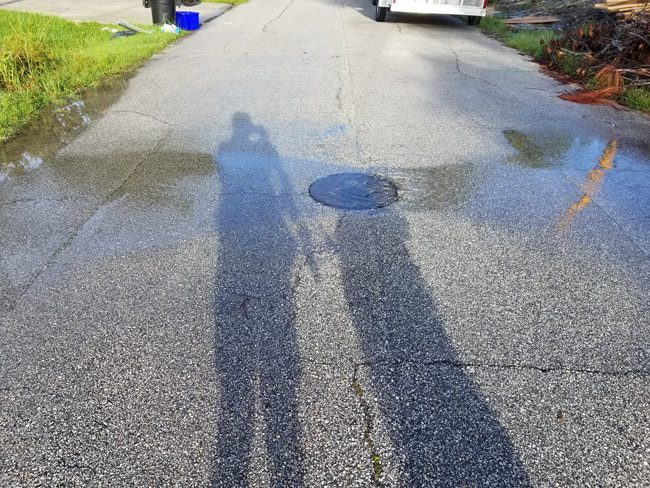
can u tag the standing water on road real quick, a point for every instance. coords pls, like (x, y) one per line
(55, 128)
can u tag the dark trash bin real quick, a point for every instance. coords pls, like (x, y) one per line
(162, 11)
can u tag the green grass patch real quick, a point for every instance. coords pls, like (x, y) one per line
(637, 98)
(45, 59)
(531, 42)
(494, 26)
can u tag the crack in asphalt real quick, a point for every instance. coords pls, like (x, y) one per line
(17, 201)
(77, 229)
(368, 430)
(279, 16)
(519, 367)
(149, 116)
(465, 75)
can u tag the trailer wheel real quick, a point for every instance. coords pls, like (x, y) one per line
(473, 19)
(380, 13)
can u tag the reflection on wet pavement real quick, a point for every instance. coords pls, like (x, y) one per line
(56, 127)
(535, 152)
(591, 186)
(171, 195)
(22, 165)
(535, 190)
(436, 188)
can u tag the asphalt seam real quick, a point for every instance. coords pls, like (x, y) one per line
(518, 367)
(345, 94)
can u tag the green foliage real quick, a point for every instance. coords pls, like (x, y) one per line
(531, 42)
(44, 59)
(571, 65)
(494, 26)
(637, 98)
(527, 41)
(22, 59)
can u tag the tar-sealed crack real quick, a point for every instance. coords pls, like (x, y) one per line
(368, 430)
(244, 307)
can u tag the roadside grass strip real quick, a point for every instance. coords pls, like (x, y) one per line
(531, 42)
(46, 59)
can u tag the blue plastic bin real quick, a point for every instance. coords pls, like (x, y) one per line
(187, 20)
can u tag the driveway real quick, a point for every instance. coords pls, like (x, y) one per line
(178, 310)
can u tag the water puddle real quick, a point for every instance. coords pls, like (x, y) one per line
(56, 127)
(437, 188)
(590, 187)
(595, 190)
(354, 191)
(534, 151)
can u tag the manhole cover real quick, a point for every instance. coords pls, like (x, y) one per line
(354, 191)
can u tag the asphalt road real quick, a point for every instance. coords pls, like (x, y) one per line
(177, 310)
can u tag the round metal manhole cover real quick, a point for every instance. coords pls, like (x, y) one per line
(354, 191)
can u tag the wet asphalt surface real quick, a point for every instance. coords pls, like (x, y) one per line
(177, 310)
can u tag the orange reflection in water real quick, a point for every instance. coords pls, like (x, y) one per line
(590, 187)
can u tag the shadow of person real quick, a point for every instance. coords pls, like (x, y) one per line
(440, 427)
(256, 360)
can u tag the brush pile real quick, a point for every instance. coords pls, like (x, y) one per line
(610, 53)
(626, 8)
(568, 11)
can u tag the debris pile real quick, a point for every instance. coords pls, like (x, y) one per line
(613, 54)
(626, 8)
(570, 12)
(604, 45)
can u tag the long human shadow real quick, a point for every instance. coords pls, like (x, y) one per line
(255, 339)
(440, 426)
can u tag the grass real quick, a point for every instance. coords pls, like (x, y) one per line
(46, 59)
(637, 98)
(531, 42)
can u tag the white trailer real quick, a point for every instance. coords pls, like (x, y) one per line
(473, 9)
